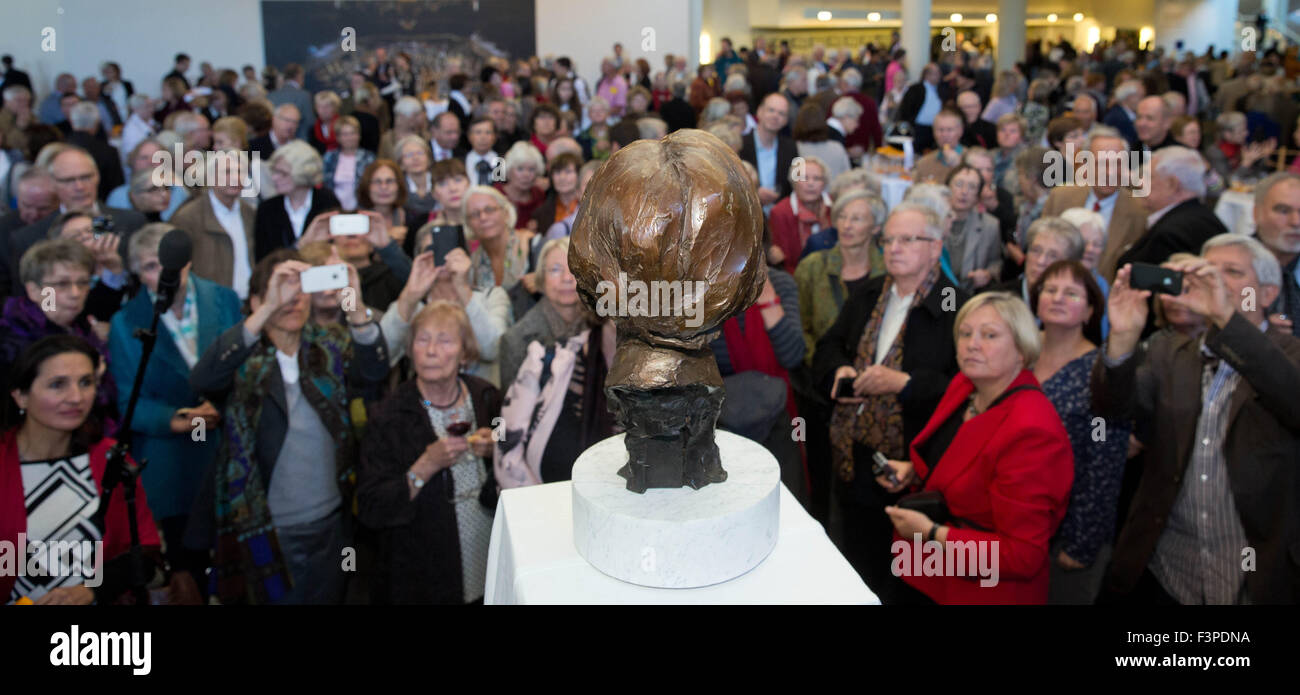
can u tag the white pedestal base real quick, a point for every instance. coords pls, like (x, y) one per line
(677, 538)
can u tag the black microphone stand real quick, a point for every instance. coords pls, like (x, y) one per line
(119, 471)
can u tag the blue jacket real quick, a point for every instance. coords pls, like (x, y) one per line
(176, 461)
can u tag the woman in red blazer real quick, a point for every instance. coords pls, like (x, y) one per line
(997, 451)
(52, 467)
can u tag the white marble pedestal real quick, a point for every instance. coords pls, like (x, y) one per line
(677, 538)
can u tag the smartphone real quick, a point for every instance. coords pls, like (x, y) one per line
(1144, 276)
(443, 238)
(880, 466)
(325, 277)
(844, 387)
(349, 225)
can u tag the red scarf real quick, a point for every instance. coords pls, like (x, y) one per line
(751, 350)
(1231, 151)
(330, 139)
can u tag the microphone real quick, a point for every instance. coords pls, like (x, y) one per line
(174, 253)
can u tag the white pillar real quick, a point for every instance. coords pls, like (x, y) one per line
(1011, 33)
(915, 36)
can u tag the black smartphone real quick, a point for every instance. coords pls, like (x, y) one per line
(844, 387)
(1144, 276)
(443, 238)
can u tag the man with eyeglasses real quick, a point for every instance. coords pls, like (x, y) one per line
(76, 183)
(284, 125)
(894, 340)
(109, 277)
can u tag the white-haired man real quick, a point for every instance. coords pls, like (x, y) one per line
(1177, 220)
(84, 119)
(1123, 114)
(869, 134)
(1214, 517)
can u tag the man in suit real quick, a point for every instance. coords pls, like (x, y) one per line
(293, 93)
(1223, 457)
(85, 124)
(182, 65)
(481, 160)
(284, 124)
(445, 143)
(1177, 220)
(1277, 226)
(1126, 219)
(76, 182)
(1152, 124)
(220, 225)
(1123, 115)
(770, 152)
(109, 116)
(920, 105)
(976, 132)
(12, 76)
(935, 165)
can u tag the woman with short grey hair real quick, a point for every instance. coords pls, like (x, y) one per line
(1232, 156)
(296, 171)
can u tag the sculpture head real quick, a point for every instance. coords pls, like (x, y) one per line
(675, 218)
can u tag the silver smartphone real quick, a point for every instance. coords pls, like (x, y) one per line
(325, 277)
(349, 225)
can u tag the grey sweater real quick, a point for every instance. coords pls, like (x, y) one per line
(786, 335)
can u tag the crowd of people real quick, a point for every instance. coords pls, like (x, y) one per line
(987, 336)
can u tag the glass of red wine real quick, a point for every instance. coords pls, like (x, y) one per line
(458, 429)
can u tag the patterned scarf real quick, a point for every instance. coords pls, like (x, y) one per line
(879, 421)
(249, 567)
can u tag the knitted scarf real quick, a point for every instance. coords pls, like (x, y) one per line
(248, 565)
(879, 421)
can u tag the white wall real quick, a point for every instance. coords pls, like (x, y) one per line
(1198, 23)
(140, 35)
(586, 30)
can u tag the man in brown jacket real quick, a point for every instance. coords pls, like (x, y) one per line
(220, 224)
(1214, 519)
(1126, 219)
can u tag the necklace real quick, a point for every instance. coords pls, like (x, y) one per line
(971, 409)
(430, 404)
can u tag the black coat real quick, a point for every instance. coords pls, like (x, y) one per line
(107, 160)
(929, 349)
(1184, 228)
(272, 229)
(677, 114)
(419, 543)
(785, 154)
(981, 133)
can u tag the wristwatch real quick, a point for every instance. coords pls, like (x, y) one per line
(416, 480)
(370, 317)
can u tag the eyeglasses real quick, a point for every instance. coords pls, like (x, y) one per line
(481, 212)
(885, 242)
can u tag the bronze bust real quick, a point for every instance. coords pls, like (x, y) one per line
(677, 216)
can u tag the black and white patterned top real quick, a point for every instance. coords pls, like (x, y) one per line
(60, 497)
(468, 475)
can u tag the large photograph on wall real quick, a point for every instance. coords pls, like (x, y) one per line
(440, 36)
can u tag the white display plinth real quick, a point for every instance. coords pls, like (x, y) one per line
(532, 561)
(677, 538)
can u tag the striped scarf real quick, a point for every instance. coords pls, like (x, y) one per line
(248, 566)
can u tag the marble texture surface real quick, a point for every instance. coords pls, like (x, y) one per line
(677, 538)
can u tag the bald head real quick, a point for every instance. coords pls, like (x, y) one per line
(1153, 119)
